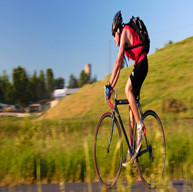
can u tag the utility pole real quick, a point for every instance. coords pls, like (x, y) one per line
(109, 56)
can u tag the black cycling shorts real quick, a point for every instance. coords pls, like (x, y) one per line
(138, 75)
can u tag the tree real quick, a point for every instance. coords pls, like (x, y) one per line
(59, 83)
(50, 82)
(83, 79)
(42, 86)
(20, 86)
(32, 88)
(9, 93)
(4, 83)
(169, 42)
(1, 93)
(73, 82)
(26, 89)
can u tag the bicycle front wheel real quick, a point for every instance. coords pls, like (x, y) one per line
(151, 158)
(108, 149)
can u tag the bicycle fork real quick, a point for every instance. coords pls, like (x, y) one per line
(113, 121)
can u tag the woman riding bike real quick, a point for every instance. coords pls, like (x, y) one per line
(126, 38)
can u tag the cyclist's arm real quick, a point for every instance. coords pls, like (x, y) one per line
(119, 61)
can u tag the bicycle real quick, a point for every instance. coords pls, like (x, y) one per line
(108, 146)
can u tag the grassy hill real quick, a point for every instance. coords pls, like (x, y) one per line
(168, 88)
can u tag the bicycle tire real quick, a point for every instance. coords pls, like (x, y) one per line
(108, 161)
(151, 164)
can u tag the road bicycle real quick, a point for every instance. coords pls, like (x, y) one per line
(108, 146)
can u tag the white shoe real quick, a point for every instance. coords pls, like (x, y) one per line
(140, 134)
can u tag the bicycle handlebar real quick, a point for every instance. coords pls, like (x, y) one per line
(111, 105)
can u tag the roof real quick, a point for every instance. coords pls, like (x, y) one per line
(63, 92)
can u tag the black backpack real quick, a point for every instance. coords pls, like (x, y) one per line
(138, 25)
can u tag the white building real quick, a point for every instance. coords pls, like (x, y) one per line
(59, 93)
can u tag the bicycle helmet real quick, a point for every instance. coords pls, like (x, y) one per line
(117, 22)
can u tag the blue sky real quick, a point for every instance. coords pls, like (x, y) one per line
(66, 34)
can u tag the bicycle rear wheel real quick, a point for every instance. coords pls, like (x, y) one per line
(107, 151)
(151, 158)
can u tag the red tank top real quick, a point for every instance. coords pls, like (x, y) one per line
(134, 54)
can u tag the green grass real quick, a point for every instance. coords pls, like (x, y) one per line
(54, 151)
(58, 147)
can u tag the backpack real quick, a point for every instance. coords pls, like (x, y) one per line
(138, 25)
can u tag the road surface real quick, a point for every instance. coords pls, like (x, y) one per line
(177, 186)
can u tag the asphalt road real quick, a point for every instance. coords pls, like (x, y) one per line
(177, 186)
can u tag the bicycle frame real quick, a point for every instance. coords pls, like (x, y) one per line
(111, 156)
(115, 109)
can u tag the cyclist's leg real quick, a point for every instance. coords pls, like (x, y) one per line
(131, 99)
(126, 161)
(131, 126)
(134, 84)
(132, 89)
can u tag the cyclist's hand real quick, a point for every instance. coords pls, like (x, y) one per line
(108, 91)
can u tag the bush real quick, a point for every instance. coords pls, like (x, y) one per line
(173, 105)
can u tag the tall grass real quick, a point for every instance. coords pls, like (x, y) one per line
(56, 151)
(46, 152)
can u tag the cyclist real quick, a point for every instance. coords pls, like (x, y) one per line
(125, 37)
